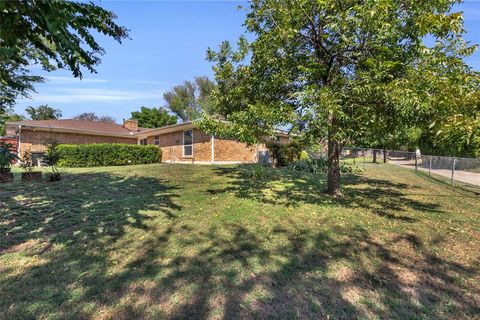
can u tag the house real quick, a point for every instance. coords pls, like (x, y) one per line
(182, 142)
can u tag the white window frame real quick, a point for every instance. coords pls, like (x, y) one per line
(142, 140)
(156, 140)
(189, 145)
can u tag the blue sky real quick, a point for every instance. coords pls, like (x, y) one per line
(168, 45)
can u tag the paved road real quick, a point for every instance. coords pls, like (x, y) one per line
(463, 176)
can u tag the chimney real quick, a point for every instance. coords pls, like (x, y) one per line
(131, 125)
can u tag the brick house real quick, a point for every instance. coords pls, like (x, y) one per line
(183, 142)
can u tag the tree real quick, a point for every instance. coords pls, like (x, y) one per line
(43, 112)
(153, 117)
(340, 70)
(55, 34)
(7, 118)
(190, 99)
(91, 116)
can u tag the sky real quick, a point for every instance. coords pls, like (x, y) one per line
(168, 45)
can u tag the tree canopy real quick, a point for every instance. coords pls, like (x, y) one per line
(191, 99)
(153, 117)
(43, 112)
(9, 117)
(341, 70)
(91, 116)
(54, 34)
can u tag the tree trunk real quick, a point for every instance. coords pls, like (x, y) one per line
(374, 156)
(333, 175)
(384, 156)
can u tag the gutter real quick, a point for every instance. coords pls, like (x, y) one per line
(81, 131)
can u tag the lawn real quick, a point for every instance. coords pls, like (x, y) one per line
(182, 241)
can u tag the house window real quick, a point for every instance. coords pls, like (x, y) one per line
(156, 140)
(143, 141)
(187, 143)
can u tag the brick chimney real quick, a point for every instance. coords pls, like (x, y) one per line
(131, 125)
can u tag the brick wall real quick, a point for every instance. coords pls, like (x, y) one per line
(36, 141)
(172, 147)
(225, 150)
(231, 150)
(170, 143)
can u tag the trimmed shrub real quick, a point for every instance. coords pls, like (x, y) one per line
(106, 154)
(283, 154)
(319, 165)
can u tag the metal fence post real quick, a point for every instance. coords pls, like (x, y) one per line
(430, 166)
(453, 171)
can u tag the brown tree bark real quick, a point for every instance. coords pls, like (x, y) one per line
(374, 156)
(334, 148)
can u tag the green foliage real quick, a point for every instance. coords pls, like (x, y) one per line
(27, 162)
(55, 34)
(52, 159)
(91, 116)
(344, 71)
(7, 118)
(256, 172)
(191, 99)
(153, 117)
(106, 154)
(304, 155)
(283, 154)
(43, 112)
(15, 82)
(320, 165)
(7, 155)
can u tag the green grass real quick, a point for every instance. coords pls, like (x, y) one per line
(182, 241)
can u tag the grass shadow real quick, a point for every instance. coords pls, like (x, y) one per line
(174, 268)
(293, 189)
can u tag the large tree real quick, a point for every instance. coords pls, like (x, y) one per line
(191, 99)
(339, 70)
(153, 117)
(43, 112)
(54, 34)
(91, 116)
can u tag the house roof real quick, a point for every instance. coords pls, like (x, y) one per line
(100, 128)
(73, 125)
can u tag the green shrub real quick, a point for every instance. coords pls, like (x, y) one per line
(256, 172)
(317, 165)
(283, 154)
(107, 154)
(52, 159)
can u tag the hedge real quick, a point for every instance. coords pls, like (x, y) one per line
(283, 154)
(107, 154)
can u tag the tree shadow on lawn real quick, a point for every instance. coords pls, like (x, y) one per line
(289, 188)
(337, 273)
(225, 271)
(81, 207)
(332, 273)
(69, 227)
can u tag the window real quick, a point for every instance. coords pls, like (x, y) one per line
(143, 141)
(156, 140)
(187, 143)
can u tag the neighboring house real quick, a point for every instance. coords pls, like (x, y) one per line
(179, 142)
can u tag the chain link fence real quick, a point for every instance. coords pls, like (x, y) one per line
(456, 171)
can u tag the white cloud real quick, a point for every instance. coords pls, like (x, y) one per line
(75, 95)
(74, 80)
